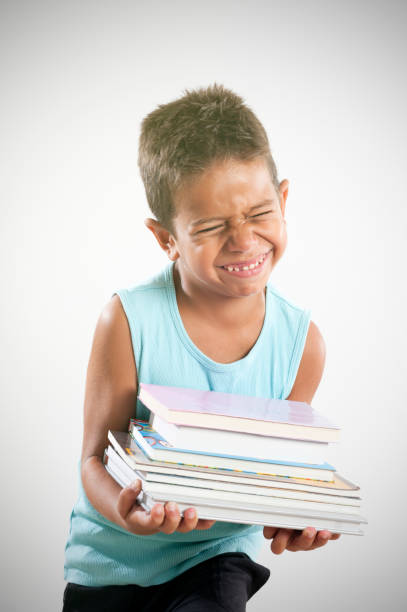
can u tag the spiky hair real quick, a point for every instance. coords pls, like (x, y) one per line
(183, 138)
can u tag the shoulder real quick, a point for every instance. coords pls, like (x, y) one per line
(112, 315)
(161, 280)
(311, 366)
(274, 296)
(314, 345)
(149, 294)
(291, 321)
(112, 346)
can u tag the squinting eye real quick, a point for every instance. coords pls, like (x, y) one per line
(266, 212)
(209, 229)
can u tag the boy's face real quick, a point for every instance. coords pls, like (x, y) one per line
(229, 229)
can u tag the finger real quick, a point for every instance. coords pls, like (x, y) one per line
(172, 518)
(322, 538)
(189, 521)
(302, 540)
(269, 532)
(128, 497)
(280, 541)
(149, 522)
(204, 524)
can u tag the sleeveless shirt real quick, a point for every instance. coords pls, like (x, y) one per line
(99, 552)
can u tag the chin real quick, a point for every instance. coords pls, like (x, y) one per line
(250, 290)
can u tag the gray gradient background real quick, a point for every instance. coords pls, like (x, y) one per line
(328, 81)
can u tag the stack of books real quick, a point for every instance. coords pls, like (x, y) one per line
(237, 459)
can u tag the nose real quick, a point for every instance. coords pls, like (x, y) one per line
(241, 237)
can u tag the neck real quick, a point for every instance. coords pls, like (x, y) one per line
(222, 311)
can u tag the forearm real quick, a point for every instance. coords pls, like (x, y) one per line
(101, 490)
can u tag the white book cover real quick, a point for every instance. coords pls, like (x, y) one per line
(261, 491)
(126, 447)
(260, 515)
(158, 449)
(231, 443)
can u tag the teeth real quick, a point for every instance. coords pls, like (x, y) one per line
(250, 267)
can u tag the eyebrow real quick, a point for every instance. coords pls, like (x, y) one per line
(210, 219)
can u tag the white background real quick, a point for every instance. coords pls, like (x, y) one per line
(327, 79)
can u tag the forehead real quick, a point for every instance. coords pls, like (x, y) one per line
(224, 189)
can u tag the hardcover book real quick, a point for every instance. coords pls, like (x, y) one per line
(128, 449)
(159, 449)
(223, 509)
(231, 443)
(233, 412)
(260, 491)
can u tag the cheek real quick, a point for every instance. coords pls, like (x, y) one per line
(199, 256)
(277, 236)
(281, 241)
(206, 256)
(206, 249)
(275, 232)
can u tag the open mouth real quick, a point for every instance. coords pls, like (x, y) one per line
(246, 268)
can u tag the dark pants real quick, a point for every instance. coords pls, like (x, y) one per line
(223, 583)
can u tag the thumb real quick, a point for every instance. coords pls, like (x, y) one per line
(128, 497)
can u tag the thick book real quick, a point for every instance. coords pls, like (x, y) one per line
(232, 442)
(258, 514)
(175, 491)
(127, 448)
(159, 449)
(233, 412)
(257, 492)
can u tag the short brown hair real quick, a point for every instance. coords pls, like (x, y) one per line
(184, 137)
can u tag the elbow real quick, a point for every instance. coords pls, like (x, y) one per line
(88, 464)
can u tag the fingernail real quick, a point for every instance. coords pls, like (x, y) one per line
(310, 532)
(171, 507)
(190, 514)
(157, 510)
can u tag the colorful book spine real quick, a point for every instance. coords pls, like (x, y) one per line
(151, 442)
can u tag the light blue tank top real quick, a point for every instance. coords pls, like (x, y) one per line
(99, 552)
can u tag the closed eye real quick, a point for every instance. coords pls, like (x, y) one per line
(209, 229)
(215, 227)
(266, 212)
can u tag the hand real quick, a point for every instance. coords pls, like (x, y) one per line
(162, 518)
(295, 540)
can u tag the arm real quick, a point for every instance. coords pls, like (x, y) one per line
(311, 367)
(110, 401)
(306, 383)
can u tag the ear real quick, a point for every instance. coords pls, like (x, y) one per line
(164, 238)
(283, 193)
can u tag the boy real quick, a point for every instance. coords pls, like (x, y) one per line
(209, 321)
